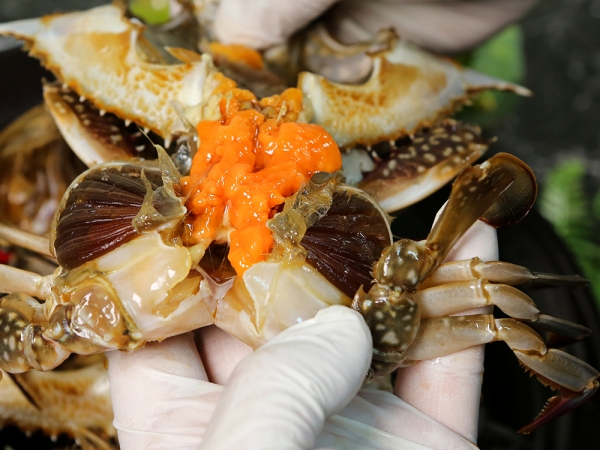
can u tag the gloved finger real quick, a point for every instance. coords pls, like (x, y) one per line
(219, 352)
(279, 396)
(378, 420)
(160, 395)
(263, 23)
(448, 388)
(442, 26)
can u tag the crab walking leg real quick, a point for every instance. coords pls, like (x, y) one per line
(30, 283)
(456, 297)
(576, 379)
(23, 345)
(26, 240)
(501, 191)
(497, 272)
(34, 335)
(437, 387)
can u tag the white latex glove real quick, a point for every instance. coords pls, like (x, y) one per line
(286, 394)
(299, 390)
(440, 25)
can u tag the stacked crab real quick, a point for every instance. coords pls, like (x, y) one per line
(244, 219)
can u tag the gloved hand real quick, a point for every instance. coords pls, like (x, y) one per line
(298, 391)
(440, 25)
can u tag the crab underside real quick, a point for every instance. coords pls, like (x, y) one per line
(130, 216)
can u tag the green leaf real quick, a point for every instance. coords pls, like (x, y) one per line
(153, 12)
(564, 203)
(503, 57)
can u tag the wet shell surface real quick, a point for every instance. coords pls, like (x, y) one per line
(95, 136)
(413, 168)
(98, 212)
(348, 240)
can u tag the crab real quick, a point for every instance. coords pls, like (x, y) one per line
(74, 400)
(237, 244)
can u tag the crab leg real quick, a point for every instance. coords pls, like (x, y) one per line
(26, 240)
(454, 298)
(500, 191)
(576, 380)
(30, 283)
(23, 345)
(74, 400)
(460, 296)
(42, 335)
(475, 194)
(497, 272)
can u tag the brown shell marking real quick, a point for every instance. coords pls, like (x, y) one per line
(98, 213)
(426, 162)
(110, 136)
(345, 244)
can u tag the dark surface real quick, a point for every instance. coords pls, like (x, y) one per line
(20, 9)
(562, 47)
(343, 256)
(20, 84)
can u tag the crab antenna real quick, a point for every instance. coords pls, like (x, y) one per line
(38, 244)
(16, 280)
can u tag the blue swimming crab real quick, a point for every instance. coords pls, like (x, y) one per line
(129, 272)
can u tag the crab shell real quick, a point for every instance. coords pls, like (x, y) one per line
(75, 401)
(118, 227)
(95, 53)
(408, 89)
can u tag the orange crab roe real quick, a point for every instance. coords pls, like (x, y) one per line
(238, 54)
(246, 165)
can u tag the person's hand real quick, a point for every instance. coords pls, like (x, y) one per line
(298, 391)
(439, 25)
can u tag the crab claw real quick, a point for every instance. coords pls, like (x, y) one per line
(559, 405)
(576, 381)
(500, 191)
